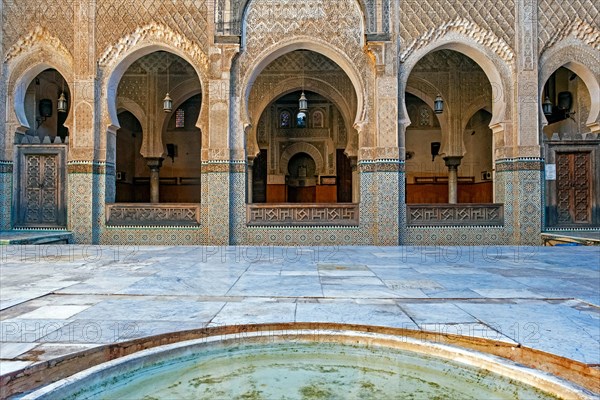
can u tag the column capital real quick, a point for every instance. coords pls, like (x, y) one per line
(154, 163)
(453, 161)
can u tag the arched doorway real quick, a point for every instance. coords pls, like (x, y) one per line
(448, 142)
(42, 152)
(572, 152)
(158, 144)
(303, 103)
(306, 153)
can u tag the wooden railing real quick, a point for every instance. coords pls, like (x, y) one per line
(302, 214)
(151, 214)
(455, 214)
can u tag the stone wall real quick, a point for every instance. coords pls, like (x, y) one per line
(366, 51)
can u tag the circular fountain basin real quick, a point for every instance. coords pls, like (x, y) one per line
(309, 365)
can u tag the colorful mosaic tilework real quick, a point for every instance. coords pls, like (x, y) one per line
(6, 199)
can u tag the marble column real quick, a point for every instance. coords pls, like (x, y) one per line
(154, 164)
(452, 162)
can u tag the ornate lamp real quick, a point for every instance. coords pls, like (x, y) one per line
(547, 106)
(303, 103)
(61, 104)
(438, 105)
(168, 101)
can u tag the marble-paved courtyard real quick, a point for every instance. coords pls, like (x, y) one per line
(57, 300)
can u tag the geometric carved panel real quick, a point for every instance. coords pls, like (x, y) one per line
(302, 214)
(116, 19)
(455, 215)
(154, 214)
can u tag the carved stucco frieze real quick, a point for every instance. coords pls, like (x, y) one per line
(588, 35)
(557, 17)
(154, 33)
(331, 25)
(38, 37)
(467, 29)
(21, 17)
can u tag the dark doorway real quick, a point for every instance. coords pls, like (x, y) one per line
(344, 175)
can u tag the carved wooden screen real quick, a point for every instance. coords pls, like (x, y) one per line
(40, 198)
(573, 186)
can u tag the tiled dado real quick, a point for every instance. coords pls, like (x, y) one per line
(6, 175)
(522, 191)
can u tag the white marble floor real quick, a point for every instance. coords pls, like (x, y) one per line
(56, 300)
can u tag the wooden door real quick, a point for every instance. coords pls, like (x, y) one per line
(41, 188)
(573, 188)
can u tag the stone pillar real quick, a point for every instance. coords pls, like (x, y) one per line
(526, 162)
(85, 166)
(223, 159)
(452, 163)
(387, 166)
(154, 164)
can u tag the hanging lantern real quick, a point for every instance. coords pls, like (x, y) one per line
(62, 103)
(547, 106)
(303, 102)
(168, 103)
(438, 105)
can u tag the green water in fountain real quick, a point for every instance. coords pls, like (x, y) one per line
(299, 370)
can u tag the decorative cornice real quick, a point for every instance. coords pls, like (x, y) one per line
(6, 167)
(381, 166)
(90, 167)
(224, 167)
(152, 33)
(38, 36)
(520, 164)
(464, 27)
(588, 34)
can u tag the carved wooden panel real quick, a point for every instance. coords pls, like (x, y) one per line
(573, 179)
(455, 214)
(302, 214)
(40, 202)
(144, 214)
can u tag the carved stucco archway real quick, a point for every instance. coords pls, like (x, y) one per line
(291, 85)
(116, 59)
(40, 52)
(492, 54)
(301, 147)
(585, 62)
(303, 43)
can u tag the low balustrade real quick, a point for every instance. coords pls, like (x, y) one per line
(301, 214)
(455, 214)
(152, 214)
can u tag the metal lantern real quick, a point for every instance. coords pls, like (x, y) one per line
(303, 102)
(167, 104)
(62, 103)
(438, 105)
(547, 106)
